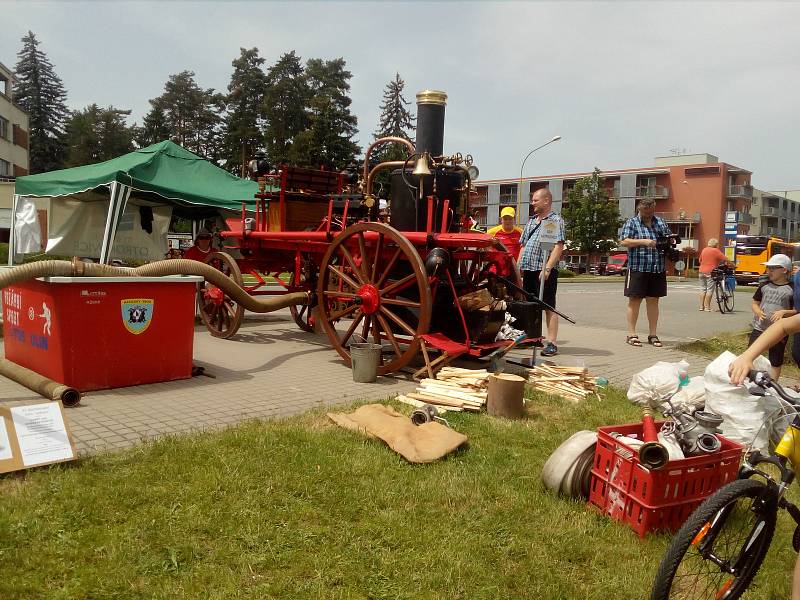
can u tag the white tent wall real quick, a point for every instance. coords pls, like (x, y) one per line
(78, 227)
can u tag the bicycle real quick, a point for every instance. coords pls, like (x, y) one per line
(723, 290)
(720, 548)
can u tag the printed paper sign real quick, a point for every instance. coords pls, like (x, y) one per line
(5, 444)
(137, 314)
(549, 235)
(41, 434)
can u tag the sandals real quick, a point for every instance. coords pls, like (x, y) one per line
(654, 341)
(633, 340)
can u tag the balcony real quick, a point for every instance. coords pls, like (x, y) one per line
(689, 244)
(679, 217)
(746, 218)
(770, 211)
(740, 191)
(652, 191)
(773, 231)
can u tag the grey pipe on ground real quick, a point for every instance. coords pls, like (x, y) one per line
(161, 268)
(52, 390)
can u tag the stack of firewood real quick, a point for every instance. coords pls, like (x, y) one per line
(452, 390)
(572, 383)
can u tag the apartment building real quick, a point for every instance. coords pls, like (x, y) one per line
(14, 155)
(13, 129)
(693, 192)
(776, 214)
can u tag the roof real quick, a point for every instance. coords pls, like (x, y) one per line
(165, 169)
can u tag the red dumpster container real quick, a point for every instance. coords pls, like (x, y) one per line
(102, 332)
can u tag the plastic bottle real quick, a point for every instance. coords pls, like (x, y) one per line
(683, 373)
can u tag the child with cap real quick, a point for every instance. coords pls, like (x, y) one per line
(773, 301)
(507, 232)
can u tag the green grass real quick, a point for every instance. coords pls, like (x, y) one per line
(736, 342)
(302, 509)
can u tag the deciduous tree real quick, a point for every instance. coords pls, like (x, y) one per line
(592, 219)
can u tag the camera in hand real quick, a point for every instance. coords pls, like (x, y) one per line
(668, 245)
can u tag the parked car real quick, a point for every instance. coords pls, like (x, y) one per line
(617, 264)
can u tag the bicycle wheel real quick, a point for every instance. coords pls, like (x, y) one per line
(721, 546)
(719, 295)
(729, 298)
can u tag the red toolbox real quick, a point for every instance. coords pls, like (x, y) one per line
(658, 500)
(102, 332)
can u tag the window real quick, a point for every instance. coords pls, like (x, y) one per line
(5, 129)
(5, 168)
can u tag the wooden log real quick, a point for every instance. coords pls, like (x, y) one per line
(505, 395)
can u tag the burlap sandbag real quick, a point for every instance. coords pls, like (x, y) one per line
(417, 444)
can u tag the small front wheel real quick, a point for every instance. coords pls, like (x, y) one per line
(720, 548)
(729, 297)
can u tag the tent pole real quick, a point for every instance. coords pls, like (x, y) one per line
(12, 235)
(119, 198)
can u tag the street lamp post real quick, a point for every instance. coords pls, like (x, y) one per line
(519, 185)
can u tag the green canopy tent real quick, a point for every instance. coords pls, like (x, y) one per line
(164, 170)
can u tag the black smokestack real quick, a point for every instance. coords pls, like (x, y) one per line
(430, 121)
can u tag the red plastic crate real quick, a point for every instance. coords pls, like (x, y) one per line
(655, 500)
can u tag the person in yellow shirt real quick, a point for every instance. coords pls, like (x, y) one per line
(507, 232)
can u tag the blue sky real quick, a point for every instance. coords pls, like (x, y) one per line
(622, 82)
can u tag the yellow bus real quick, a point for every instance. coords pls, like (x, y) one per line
(753, 250)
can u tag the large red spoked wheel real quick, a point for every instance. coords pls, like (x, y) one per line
(220, 313)
(373, 286)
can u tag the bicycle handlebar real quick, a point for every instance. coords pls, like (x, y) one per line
(764, 381)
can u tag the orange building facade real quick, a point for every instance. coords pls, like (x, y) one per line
(693, 194)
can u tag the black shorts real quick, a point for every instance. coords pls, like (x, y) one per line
(645, 285)
(530, 282)
(776, 352)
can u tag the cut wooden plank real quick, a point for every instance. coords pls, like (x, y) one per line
(419, 403)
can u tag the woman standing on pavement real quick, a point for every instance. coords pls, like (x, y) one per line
(710, 258)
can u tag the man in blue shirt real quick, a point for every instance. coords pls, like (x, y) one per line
(532, 264)
(647, 272)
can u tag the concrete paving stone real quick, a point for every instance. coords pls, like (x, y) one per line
(296, 373)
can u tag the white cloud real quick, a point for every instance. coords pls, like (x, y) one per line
(622, 82)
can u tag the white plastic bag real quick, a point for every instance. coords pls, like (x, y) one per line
(27, 234)
(650, 385)
(743, 415)
(692, 396)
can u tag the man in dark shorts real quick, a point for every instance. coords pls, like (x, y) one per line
(532, 260)
(647, 273)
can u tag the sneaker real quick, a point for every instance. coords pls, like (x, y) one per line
(549, 349)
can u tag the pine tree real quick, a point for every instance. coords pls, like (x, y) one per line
(96, 134)
(189, 114)
(154, 127)
(245, 119)
(396, 120)
(328, 141)
(285, 102)
(40, 92)
(592, 220)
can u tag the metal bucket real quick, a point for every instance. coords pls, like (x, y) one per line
(365, 359)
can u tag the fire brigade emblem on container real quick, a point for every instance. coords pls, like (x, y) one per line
(137, 314)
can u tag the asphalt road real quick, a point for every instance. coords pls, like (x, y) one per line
(601, 304)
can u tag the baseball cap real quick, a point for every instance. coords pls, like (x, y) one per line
(508, 211)
(779, 260)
